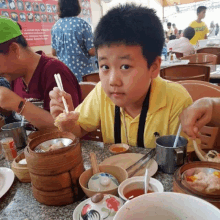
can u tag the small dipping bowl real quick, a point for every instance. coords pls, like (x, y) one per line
(119, 173)
(118, 148)
(136, 184)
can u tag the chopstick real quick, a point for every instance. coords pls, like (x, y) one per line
(60, 86)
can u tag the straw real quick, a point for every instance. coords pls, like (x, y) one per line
(60, 86)
(22, 121)
(177, 136)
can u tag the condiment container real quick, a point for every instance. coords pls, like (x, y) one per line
(118, 148)
(9, 148)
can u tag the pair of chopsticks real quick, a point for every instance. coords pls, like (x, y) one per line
(60, 86)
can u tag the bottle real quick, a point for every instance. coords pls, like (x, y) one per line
(170, 54)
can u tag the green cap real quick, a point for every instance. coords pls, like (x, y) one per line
(8, 29)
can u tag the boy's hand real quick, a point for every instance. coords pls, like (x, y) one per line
(66, 121)
(196, 116)
(56, 103)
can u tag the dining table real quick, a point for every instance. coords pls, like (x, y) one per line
(19, 204)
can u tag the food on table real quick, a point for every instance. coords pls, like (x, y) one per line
(118, 149)
(207, 183)
(213, 156)
(135, 193)
(56, 146)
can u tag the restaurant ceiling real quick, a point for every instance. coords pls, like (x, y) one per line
(165, 3)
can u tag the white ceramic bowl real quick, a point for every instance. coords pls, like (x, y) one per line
(167, 206)
(137, 182)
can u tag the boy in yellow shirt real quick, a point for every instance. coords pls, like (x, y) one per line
(199, 26)
(131, 102)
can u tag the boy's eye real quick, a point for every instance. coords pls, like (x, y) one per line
(104, 67)
(125, 67)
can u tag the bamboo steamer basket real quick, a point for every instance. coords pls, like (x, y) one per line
(41, 132)
(55, 174)
(21, 170)
(179, 187)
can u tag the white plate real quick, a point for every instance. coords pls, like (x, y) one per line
(6, 180)
(127, 159)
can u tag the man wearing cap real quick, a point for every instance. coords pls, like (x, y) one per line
(31, 75)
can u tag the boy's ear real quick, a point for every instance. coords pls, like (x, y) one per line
(15, 50)
(155, 67)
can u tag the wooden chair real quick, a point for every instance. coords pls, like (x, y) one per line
(91, 77)
(211, 50)
(86, 88)
(201, 58)
(186, 72)
(198, 90)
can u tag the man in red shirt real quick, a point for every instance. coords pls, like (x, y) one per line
(32, 77)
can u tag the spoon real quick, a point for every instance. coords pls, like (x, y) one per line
(146, 181)
(177, 136)
(100, 181)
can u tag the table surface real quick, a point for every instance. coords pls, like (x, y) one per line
(19, 204)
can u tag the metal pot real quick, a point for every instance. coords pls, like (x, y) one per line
(167, 157)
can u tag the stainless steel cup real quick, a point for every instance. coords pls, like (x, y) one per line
(18, 133)
(167, 157)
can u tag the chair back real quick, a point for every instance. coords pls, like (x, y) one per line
(91, 77)
(198, 90)
(86, 88)
(211, 50)
(201, 58)
(186, 72)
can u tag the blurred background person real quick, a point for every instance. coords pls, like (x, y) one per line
(216, 29)
(199, 26)
(72, 39)
(175, 30)
(212, 29)
(183, 45)
(169, 30)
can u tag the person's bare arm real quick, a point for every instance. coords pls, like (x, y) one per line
(54, 53)
(206, 37)
(10, 101)
(92, 52)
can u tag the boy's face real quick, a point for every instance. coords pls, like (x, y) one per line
(201, 15)
(124, 74)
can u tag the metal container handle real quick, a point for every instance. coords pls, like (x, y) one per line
(179, 156)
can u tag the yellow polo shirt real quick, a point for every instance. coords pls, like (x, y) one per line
(167, 100)
(200, 29)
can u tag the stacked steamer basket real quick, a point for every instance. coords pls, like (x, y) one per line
(180, 187)
(54, 174)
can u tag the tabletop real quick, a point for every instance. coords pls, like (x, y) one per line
(19, 204)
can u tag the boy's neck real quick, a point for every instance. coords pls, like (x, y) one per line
(199, 20)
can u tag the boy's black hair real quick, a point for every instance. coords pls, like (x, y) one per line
(200, 9)
(169, 24)
(174, 25)
(4, 47)
(189, 33)
(69, 8)
(130, 24)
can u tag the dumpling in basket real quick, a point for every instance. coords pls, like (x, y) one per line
(56, 146)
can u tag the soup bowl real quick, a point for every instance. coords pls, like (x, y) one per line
(133, 187)
(167, 206)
